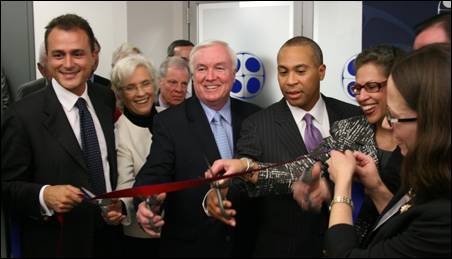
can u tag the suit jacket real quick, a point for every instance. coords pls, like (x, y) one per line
(6, 98)
(181, 144)
(100, 80)
(284, 229)
(421, 231)
(31, 87)
(41, 83)
(38, 148)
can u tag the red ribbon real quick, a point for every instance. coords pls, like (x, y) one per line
(148, 190)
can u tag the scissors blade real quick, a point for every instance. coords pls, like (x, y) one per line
(217, 188)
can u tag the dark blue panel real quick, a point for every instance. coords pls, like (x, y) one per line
(394, 22)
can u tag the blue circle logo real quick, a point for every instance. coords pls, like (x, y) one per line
(443, 7)
(250, 77)
(348, 77)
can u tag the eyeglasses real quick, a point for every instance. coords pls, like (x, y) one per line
(133, 89)
(391, 120)
(371, 87)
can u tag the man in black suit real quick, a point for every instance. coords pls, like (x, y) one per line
(95, 78)
(38, 84)
(41, 83)
(433, 30)
(44, 145)
(185, 140)
(275, 135)
(181, 48)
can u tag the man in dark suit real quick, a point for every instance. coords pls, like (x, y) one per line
(95, 78)
(181, 48)
(41, 83)
(185, 140)
(433, 30)
(275, 135)
(44, 152)
(38, 84)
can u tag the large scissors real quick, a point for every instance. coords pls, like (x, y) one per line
(103, 203)
(217, 186)
(151, 203)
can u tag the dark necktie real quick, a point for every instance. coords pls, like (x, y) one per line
(312, 136)
(91, 148)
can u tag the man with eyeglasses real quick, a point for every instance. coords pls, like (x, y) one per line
(174, 78)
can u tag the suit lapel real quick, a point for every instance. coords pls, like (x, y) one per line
(289, 134)
(200, 127)
(56, 122)
(400, 193)
(331, 110)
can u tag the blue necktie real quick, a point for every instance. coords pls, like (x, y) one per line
(221, 137)
(91, 148)
(312, 136)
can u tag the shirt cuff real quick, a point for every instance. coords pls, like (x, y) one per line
(45, 211)
(129, 209)
(204, 206)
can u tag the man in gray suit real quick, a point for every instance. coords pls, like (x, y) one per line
(277, 134)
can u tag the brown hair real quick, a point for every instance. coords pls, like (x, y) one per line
(384, 56)
(423, 80)
(69, 22)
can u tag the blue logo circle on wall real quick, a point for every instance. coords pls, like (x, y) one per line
(250, 77)
(348, 77)
(443, 7)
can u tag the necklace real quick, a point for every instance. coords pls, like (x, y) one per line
(408, 204)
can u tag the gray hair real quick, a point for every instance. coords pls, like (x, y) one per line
(173, 61)
(42, 55)
(124, 69)
(210, 44)
(122, 51)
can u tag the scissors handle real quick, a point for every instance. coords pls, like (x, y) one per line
(151, 202)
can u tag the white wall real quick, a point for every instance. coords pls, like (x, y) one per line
(153, 25)
(107, 19)
(257, 28)
(337, 29)
(150, 25)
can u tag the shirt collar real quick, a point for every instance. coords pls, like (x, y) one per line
(67, 98)
(162, 102)
(317, 111)
(225, 112)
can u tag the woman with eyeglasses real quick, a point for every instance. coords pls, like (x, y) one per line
(134, 82)
(363, 133)
(415, 222)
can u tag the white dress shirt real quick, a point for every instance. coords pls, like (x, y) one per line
(320, 117)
